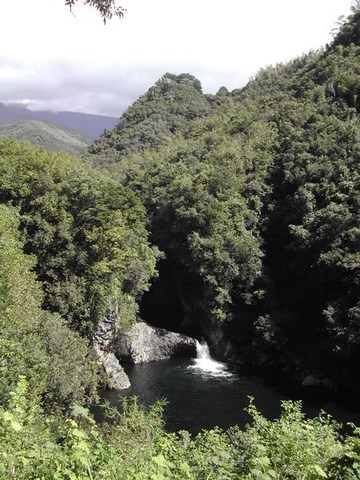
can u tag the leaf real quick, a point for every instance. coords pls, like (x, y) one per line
(16, 426)
(157, 476)
(320, 471)
(160, 460)
(79, 411)
(184, 468)
(264, 461)
(78, 433)
(8, 416)
(216, 460)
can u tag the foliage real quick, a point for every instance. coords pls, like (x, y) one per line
(255, 203)
(253, 196)
(134, 446)
(153, 119)
(200, 218)
(348, 30)
(289, 447)
(34, 343)
(106, 8)
(87, 233)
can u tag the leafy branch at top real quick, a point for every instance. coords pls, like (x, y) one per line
(107, 8)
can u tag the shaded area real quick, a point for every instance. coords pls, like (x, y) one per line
(164, 304)
(198, 399)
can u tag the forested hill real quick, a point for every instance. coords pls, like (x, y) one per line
(253, 195)
(45, 134)
(164, 111)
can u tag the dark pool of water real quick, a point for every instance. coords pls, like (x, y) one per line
(199, 397)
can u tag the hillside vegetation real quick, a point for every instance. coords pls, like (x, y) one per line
(253, 198)
(253, 195)
(47, 135)
(154, 119)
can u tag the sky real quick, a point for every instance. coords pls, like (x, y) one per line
(52, 59)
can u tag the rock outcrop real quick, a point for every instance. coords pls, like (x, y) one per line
(144, 343)
(103, 346)
(117, 376)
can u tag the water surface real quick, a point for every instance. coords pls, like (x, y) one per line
(202, 393)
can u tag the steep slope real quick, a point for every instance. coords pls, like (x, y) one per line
(86, 232)
(157, 116)
(47, 135)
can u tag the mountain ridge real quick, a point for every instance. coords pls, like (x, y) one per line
(45, 134)
(88, 124)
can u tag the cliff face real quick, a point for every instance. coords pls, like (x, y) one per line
(103, 346)
(143, 343)
(140, 344)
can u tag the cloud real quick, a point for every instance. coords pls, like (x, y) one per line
(67, 86)
(53, 60)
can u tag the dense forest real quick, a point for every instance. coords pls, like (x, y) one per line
(232, 216)
(253, 195)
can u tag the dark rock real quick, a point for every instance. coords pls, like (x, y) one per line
(105, 333)
(103, 346)
(144, 343)
(220, 344)
(312, 381)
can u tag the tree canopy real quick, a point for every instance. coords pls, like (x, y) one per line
(253, 197)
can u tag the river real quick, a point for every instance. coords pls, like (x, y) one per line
(202, 393)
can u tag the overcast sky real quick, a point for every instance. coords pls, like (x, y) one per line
(54, 60)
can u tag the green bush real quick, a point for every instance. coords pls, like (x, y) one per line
(132, 445)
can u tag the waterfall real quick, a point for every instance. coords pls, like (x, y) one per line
(202, 351)
(204, 364)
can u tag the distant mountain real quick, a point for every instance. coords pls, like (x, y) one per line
(46, 135)
(5, 115)
(90, 125)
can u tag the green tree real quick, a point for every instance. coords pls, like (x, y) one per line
(36, 344)
(87, 233)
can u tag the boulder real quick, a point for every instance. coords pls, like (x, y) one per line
(316, 381)
(144, 343)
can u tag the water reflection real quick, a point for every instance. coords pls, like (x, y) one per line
(197, 397)
(201, 397)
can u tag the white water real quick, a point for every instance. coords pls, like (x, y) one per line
(207, 365)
